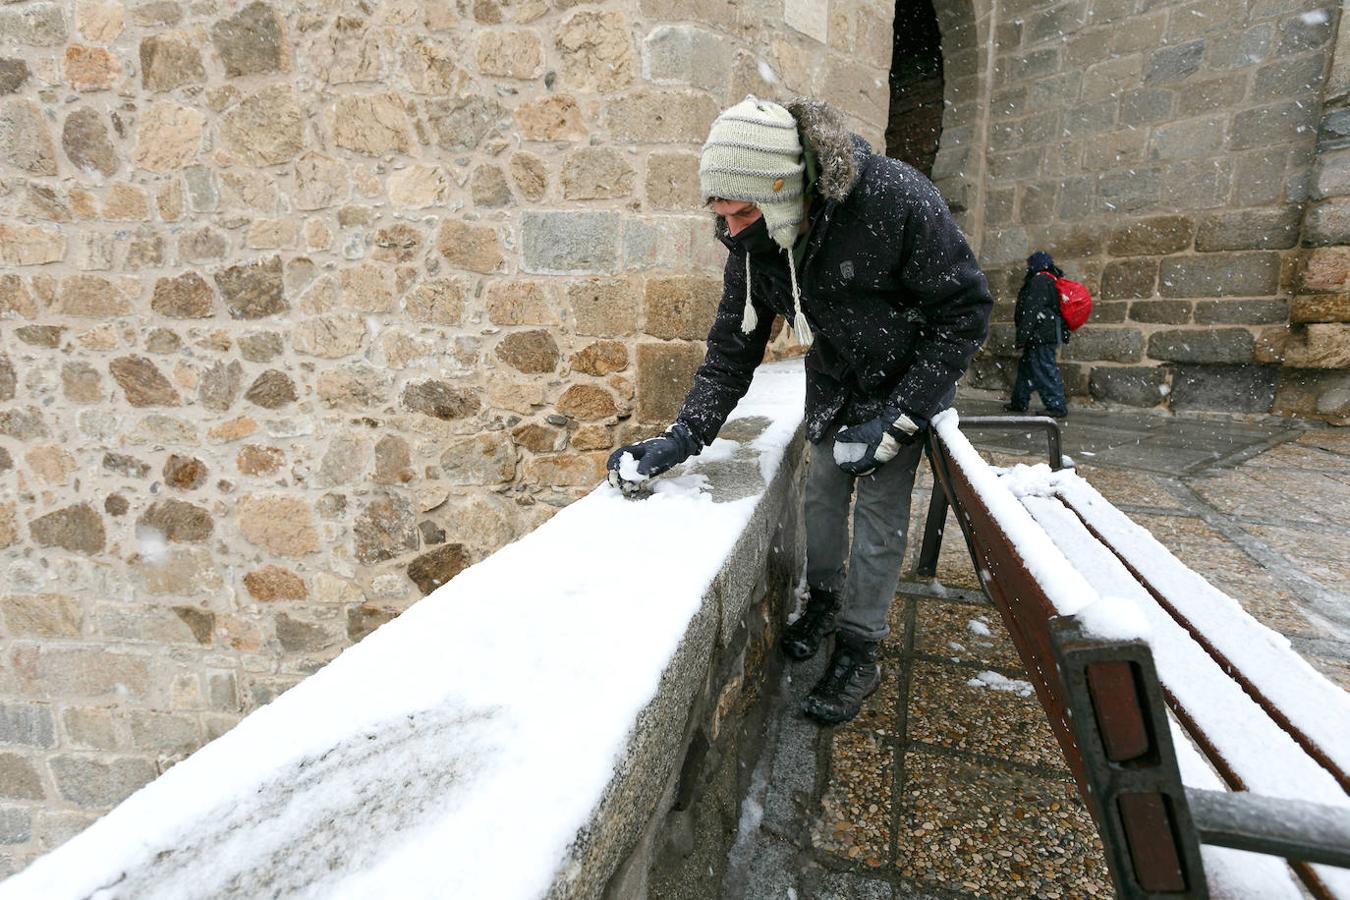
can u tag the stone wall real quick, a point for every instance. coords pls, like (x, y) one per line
(1186, 161)
(305, 307)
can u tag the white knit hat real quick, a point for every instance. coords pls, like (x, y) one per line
(753, 153)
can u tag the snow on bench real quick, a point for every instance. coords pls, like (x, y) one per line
(1266, 719)
(465, 748)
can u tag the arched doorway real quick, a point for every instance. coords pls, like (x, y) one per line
(914, 127)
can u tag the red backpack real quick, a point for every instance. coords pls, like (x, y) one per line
(1075, 301)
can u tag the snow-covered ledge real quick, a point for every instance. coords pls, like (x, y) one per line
(519, 733)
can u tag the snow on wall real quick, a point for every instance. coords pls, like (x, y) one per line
(456, 751)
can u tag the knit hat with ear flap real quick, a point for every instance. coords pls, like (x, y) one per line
(753, 153)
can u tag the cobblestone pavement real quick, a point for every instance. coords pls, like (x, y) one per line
(947, 786)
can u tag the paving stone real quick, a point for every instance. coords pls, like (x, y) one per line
(996, 833)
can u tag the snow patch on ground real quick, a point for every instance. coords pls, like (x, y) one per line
(997, 682)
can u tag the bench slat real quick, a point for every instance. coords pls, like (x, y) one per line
(1314, 711)
(1251, 751)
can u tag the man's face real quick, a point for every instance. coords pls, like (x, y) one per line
(739, 214)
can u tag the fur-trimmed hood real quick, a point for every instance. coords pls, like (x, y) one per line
(836, 148)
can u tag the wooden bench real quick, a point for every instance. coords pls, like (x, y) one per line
(1193, 731)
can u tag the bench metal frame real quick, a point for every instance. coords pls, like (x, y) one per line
(1107, 708)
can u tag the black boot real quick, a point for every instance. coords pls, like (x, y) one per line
(802, 638)
(851, 678)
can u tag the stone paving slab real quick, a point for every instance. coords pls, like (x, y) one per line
(941, 789)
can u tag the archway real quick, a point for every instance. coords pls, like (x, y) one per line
(914, 126)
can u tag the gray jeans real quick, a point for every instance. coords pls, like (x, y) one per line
(880, 532)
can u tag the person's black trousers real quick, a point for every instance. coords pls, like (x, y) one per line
(1037, 370)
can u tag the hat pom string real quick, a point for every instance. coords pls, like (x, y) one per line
(749, 318)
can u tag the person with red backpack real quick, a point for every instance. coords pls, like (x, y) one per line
(1040, 330)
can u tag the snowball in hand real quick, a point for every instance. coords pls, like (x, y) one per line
(628, 468)
(848, 452)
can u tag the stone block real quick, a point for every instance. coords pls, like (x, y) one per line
(1242, 48)
(1259, 177)
(1129, 385)
(25, 141)
(509, 54)
(1320, 308)
(267, 127)
(1170, 65)
(1093, 343)
(681, 306)
(570, 470)
(665, 242)
(371, 124)
(177, 734)
(387, 527)
(1327, 222)
(1211, 95)
(28, 725)
(530, 176)
(90, 727)
(672, 181)
(1164, 312)
(279, 524)
(1326, 269)
(1189, 139)
(686, 54)
(36, 24)
(661, 117)
(1278, 123)
(69, 673)
(474, 248)
(98, 783)
(587, 402)
(554, 118)
(482, 459)
(532, 352)
(1251, 274)
(601, 358)
(16, 826)
(811, 19)
(170, 60)
(1135, 190)
(597, 51)
(1241, 312)
(1332, 175)
(440, 400)
(1293, 77)
(1219, 345)
(1310, 392)
(1224, 388)
(665, 372)
(436, 567)
(1249, 229)
(1144, 106)
(1319, 346)
(19, 779)
(596, 173)
(85, 140)
(1129, 279)
(251, 42)
(77, 528)
(1197, 183)
(1147, 237)
(571, 242)
(603, 307)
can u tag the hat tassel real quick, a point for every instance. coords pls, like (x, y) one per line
(800, 327)
(749, 318)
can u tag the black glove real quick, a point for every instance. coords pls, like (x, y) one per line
(858, 449)
(654, 455)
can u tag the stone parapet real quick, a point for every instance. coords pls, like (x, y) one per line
(305, 309)
(556, 721)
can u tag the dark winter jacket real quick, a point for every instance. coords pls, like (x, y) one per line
(895, 299)
(1036, 314)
